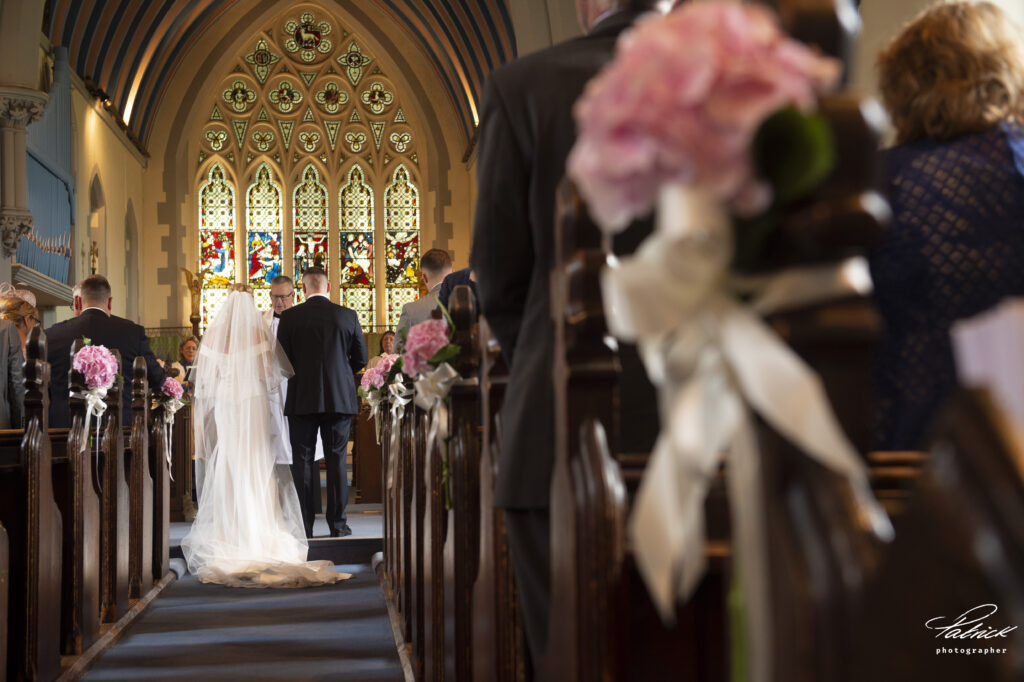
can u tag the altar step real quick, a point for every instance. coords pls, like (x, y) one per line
(365, 520)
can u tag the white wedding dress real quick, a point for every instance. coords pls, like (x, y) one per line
(248, 531)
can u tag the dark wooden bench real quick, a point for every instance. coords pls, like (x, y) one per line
(29, 512)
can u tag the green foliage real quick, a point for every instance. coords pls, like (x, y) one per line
(794, 152)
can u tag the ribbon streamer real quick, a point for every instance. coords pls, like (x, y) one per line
(714, 360)
(94, 407)
(374, 399)
(431, 394)
(400, 397)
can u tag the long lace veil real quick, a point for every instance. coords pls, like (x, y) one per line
(248, 529)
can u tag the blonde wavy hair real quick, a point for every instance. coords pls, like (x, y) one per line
(18, 310)
(957, 68)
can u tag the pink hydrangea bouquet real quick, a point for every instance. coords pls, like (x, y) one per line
(427, 346)
(98, 365)
(376, 377)
(684, 102)
(172, 389)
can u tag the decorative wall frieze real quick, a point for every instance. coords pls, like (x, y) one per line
(13, 226)
(20, 106)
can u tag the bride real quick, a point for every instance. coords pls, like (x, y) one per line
(248, 531)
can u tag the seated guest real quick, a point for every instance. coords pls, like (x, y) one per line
(187, 351)
(463, 276)
(435, 265)
(19, 307)
(387, 346)
(96, 323)
(953, 82)
(12, 388)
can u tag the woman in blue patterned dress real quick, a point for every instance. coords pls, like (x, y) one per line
(953, 82)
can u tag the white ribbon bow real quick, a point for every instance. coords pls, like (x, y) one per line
(374, 398)
(713, 360)
(431, 391)
(94, 407)
(170, 407)
(400, 397)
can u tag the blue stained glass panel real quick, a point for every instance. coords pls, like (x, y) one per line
(264, 257)
(356, 258)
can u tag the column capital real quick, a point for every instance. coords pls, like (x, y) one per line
(13, 226)
(21, 106)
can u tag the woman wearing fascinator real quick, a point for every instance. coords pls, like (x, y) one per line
(19, 307)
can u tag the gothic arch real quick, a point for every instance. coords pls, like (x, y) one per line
(303, 91)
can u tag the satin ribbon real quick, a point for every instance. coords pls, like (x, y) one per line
(431, 394)
(170, 406)
(714, 360)
(374, 399)
(400, 397)
(94, 407)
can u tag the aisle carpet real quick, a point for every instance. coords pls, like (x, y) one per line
(196, 631)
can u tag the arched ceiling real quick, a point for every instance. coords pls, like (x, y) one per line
(130, 49)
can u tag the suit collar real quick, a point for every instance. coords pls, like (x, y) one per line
(614, 23)
(95, 312)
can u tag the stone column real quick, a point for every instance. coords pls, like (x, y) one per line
(18, 108)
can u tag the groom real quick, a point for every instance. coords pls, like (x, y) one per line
(326, 347)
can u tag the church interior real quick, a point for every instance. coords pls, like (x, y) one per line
(181, 148)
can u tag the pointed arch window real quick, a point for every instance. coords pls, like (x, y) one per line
(402, 234)
(216, 241)
(263, 234)
(309, 204)
(303, 131)
(355, 206)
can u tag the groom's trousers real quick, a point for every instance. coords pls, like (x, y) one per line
(334, 430)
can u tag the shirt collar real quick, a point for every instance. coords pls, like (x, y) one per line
(94, 307)
(327, 296)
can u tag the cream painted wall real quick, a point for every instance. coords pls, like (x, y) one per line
(104, 154)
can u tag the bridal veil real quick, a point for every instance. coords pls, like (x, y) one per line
(248, 530)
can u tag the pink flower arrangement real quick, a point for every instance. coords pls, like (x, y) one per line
(97, 364)
(424, 341)
(373, 378)
(172, 388)
(682, 102)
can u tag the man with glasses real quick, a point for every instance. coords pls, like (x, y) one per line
(282, 295)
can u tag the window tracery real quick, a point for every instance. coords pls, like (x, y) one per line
(309, 108)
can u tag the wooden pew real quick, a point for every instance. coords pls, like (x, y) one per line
(5, 583)
(366, 459)
(499, 647)
(29, 512)
(114, 511)
(181, 503)
(77, 489)
(959, 545)
(603, 624)
(462, 537)
(140, 498)
(159, 469)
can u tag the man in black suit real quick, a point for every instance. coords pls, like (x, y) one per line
(95, 322)
(526, 132)
(326, 347)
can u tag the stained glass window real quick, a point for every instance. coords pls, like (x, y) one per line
(355, 205)
(402, 232)
(310, 207)
(263, 230)
(216, 242)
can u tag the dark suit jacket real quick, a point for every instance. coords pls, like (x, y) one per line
(326, 347)
(114, 333)
(453, 280)
(526, 132)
